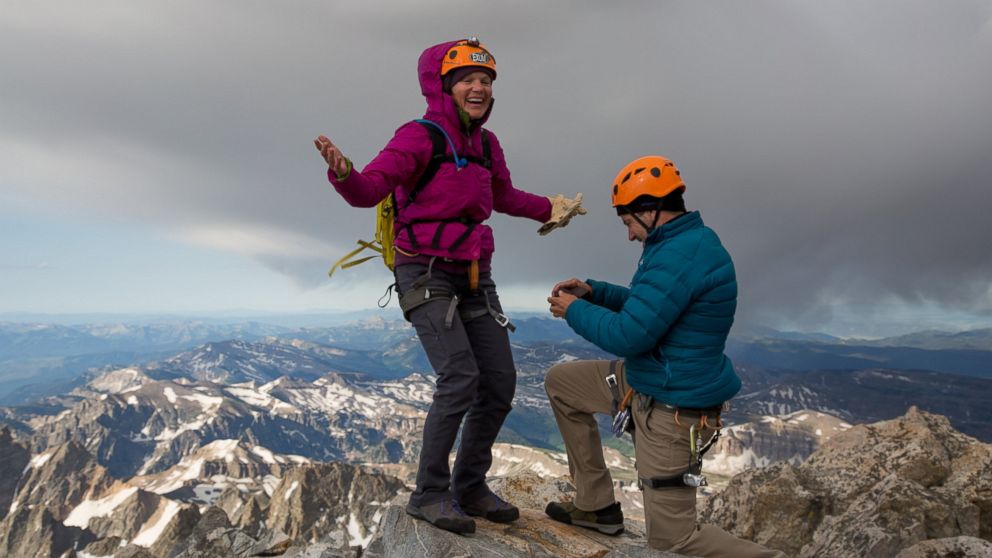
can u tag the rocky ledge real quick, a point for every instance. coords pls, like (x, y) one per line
(911, 486)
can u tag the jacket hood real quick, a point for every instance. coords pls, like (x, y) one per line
(440, 105)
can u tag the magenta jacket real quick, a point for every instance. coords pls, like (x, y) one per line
(470, 194)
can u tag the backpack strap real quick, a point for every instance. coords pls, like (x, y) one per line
(438, 155)
(487, 159)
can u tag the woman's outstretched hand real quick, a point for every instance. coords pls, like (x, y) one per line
(562, 211)
(332, 155)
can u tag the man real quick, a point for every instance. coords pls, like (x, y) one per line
(669, 327)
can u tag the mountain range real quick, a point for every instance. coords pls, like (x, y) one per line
(217, 433)
(904, 488)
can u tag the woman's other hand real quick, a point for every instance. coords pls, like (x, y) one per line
(333, 156)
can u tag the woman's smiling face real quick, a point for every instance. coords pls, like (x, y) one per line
(473, 94)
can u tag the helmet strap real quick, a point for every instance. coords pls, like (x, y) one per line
(643, 224)
(654, 222)
(657, 214)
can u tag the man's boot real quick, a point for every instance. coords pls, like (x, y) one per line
(608, 520)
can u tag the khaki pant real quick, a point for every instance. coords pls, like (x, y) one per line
(577, 390)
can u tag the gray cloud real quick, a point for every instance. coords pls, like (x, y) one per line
(839, 149)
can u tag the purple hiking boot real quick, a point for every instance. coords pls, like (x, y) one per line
(445, 514)
(493, 508)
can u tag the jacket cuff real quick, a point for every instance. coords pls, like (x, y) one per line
(546, 215)
(334, 178)
(598, 291)
(573, 314)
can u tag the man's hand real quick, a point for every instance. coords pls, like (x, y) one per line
(560, 303)
(335, 159)
(572, 286)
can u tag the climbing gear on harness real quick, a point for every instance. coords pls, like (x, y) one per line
(387, 211)
(415, 298)
(473, 275)
(702, 415)
(420, 294)
(621, 422)
(693, 476)
(562, 211)
(621, 405)
(468, 52)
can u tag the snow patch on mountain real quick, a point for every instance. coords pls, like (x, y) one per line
(356, 532)
(259, 398)
(509, 459)
(119, 381)
(39, 460)
(292, 488)
(209, 404)
(565, 357)
(81, 515)
(167, 510)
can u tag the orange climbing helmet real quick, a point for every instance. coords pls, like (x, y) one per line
(653, 176)
(467, 53)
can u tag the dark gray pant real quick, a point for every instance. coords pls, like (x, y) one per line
(476, 380)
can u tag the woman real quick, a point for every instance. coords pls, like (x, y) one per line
(448, 175)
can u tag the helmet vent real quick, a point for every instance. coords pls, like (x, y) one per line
(625, 179)
(655, 172)
(452, 55)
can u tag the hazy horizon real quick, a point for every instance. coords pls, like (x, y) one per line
(334, 317)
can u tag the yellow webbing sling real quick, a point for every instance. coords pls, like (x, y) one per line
(383, 243)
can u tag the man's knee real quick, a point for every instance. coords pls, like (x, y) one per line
(553, 378)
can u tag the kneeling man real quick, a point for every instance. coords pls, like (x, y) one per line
(669, 329)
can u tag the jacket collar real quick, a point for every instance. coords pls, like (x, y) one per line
(676, 226)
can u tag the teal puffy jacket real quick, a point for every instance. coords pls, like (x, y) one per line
(671, 325)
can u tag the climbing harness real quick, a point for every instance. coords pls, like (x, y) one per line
(420, 294)
(693, 476)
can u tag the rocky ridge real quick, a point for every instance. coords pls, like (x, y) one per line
(911, 487)
(66, 502)
(874, 490)
(770, 439)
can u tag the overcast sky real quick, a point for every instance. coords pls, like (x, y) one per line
(157, 156)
